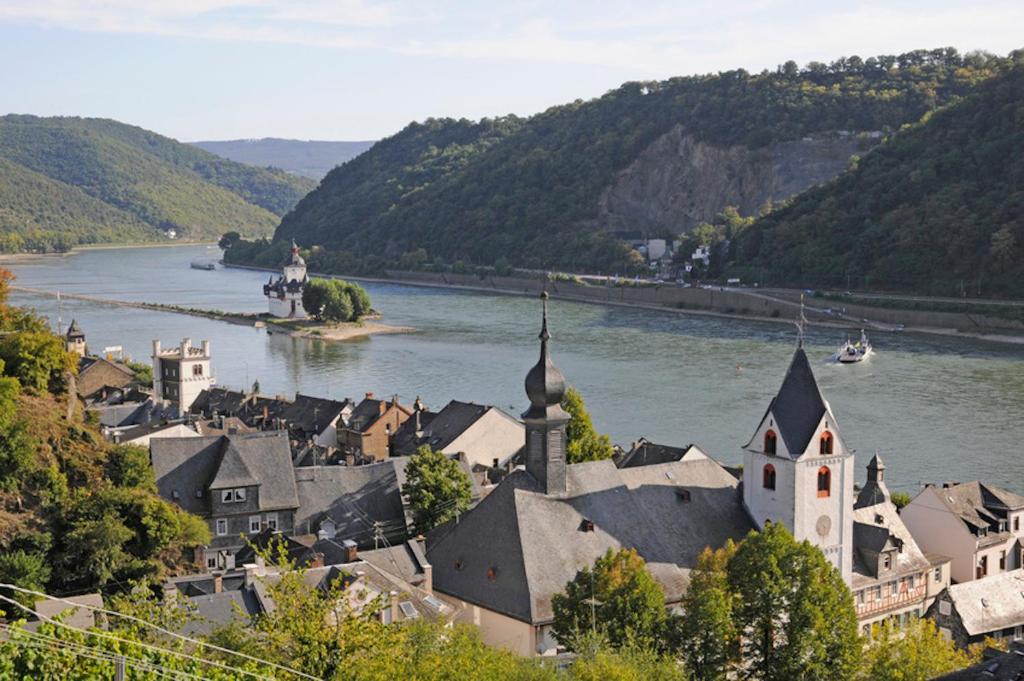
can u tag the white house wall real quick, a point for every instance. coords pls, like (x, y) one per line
(937, 530)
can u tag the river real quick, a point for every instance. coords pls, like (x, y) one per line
(936, 408)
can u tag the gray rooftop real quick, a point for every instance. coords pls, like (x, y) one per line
(536, 543)
(187, 465)
(877, 528)
(353, 497)
(990, 604)
(646, 453)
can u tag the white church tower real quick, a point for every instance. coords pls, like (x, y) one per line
(798, 471)
(284, 296)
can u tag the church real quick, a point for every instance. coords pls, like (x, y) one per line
(505, 559)
(284, 295)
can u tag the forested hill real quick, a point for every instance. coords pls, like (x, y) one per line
(68, 181)
(309, 158)
(658, 156)
(938, 208)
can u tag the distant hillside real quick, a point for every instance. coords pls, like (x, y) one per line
(309, 158)
(547, 191)
(939, 208)
(67, 181)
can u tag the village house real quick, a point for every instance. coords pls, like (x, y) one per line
(893, 580)
(486, 435)
(390, 581)
(978, 526)
(995, 665)
(239, 484)
(367, 434)
(307, 419)
(98, 378)
(646, 453)
(969, 612)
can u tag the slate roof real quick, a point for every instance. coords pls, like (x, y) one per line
(404, 441)
(799, 405)
(79, 617)
(646, 453)
(219, 401)
(990, 604)
(405, 559)
(978, 504)
(876, 528)
(268, 540)
(353, 497)
(996, 665)
(188, 465)
(74, 330)
(535, 542)
(365, 414)
(305, 414)
(96, 373)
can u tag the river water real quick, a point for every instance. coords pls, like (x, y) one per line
(936, 408)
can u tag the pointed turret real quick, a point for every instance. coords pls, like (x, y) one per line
(296, 258)
(875, 490)
(545, 419)
(75, 331)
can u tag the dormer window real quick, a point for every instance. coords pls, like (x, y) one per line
(770, 442)
(887, 561)
(825, 445)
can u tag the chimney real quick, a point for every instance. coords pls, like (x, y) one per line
(393, 597)
(351, 551)
(369, 396)
(170, 593)
(318, 561)
(253, 571)
(218, 582)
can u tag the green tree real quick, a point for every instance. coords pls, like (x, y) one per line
(128, 466)
(436, 487)
(706, 633)
(794, 613)
(95, 550)
(900, 499)
(314, 296)
(360, 299)
(617, 598)
(597, 661)
(917, 652)
(337, 303)
(143, 372)
(583, 442)
(228, 240)
(24, 569)
(37, 359)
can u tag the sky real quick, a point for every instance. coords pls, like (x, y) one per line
(357, 70)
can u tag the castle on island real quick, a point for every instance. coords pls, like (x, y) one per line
(284, 295)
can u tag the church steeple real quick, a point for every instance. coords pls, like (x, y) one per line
(545, 419)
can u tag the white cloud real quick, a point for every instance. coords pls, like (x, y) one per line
(655, 40)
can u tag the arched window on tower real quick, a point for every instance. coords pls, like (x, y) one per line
(769, 476)
(824, 482)
(769, 442)
(826, 443)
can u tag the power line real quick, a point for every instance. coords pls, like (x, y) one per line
(162, 630)
(102, 634)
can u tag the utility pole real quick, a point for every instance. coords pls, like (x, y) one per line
(119, 668)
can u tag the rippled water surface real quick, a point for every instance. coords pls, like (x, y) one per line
(937, 408)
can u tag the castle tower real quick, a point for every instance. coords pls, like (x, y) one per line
(181, 373)
(74, 339)
(284, 295)
(798, 471)
(545, 420)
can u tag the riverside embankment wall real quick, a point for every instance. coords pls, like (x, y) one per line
(724, 301)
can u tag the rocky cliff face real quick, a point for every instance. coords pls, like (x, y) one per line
(679, 181)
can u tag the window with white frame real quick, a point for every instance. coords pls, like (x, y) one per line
(272, 521)
(211, 562)
(945, 608)
(222, 527)
(254, 523)
(227, 496)
(240, 494)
